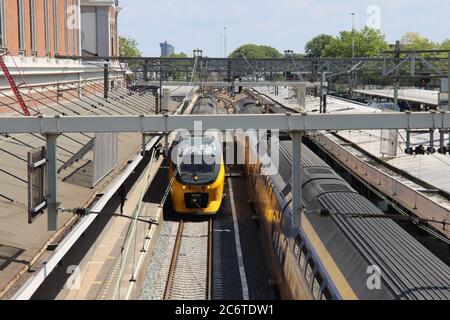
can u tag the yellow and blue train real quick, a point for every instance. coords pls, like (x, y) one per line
(197, 169)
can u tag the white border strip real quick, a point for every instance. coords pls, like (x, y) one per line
(32, 285)
(240, 256)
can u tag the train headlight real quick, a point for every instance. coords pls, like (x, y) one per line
(184, 188)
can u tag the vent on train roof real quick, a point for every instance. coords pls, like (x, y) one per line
(335, 188)
(319, 171)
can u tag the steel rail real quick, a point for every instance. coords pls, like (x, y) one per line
(174, 260)
(209, 279)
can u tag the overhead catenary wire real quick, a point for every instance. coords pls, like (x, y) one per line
(249, 64)
(121, 107)
(14, 176)
(100, 108)
(9, 106)
(300, 73)
(26, 84)
(97, 104)
(388, 139)
(57, 102)
(57, 94)
(131, 231)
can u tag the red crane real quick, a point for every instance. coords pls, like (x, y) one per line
(13, 85)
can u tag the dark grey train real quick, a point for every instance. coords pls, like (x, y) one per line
(206, 105)
(337, 257)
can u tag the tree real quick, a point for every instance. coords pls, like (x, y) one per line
(128, 47)
(445, 45)
(178, 55)
(316, 46)
(369, 42)
(298, 56)
(415, 41)
(174, 75)
(253, 51)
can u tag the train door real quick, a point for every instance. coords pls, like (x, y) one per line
(284, 243)
(303, 258)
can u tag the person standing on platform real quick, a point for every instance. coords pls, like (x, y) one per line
(123, 197)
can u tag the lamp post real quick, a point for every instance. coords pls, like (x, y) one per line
(288, 53)
(225, 41)
(353, 34)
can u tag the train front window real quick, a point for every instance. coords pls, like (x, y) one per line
(196, 165)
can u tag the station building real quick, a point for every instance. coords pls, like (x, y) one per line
(41, 38)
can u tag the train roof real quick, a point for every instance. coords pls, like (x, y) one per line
(414, 272)
(248, 106)
(206, 105)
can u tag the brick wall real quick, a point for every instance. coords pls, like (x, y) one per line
(12, 28)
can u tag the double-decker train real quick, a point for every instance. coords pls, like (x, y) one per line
(197, 168)
(339, 256)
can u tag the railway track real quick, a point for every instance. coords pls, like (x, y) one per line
(190, 268)
(185, 265)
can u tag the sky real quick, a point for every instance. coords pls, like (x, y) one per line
(283, 24)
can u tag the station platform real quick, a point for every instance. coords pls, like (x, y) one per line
(24, 247)
(427, 97)
(110, 253)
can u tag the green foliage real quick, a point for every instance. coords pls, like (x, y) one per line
(445, 45)
(415, 41)
(128, 47)
(171, 65)
(368, 43)
(253, 51)
(298, 55)
(316, 46)
(178, 55)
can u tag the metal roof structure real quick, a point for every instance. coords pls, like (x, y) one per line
(21, 243)
(166, 123)
(427, 97)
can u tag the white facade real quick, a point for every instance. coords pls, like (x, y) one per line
(99, 27)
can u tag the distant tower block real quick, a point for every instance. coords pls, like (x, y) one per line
(301, 95)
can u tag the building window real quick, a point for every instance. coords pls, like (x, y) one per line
(66, 29)
(73, 23)
(55, 25)
(33, 25)
(47, 25)
(2, 24)
(21, 15)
